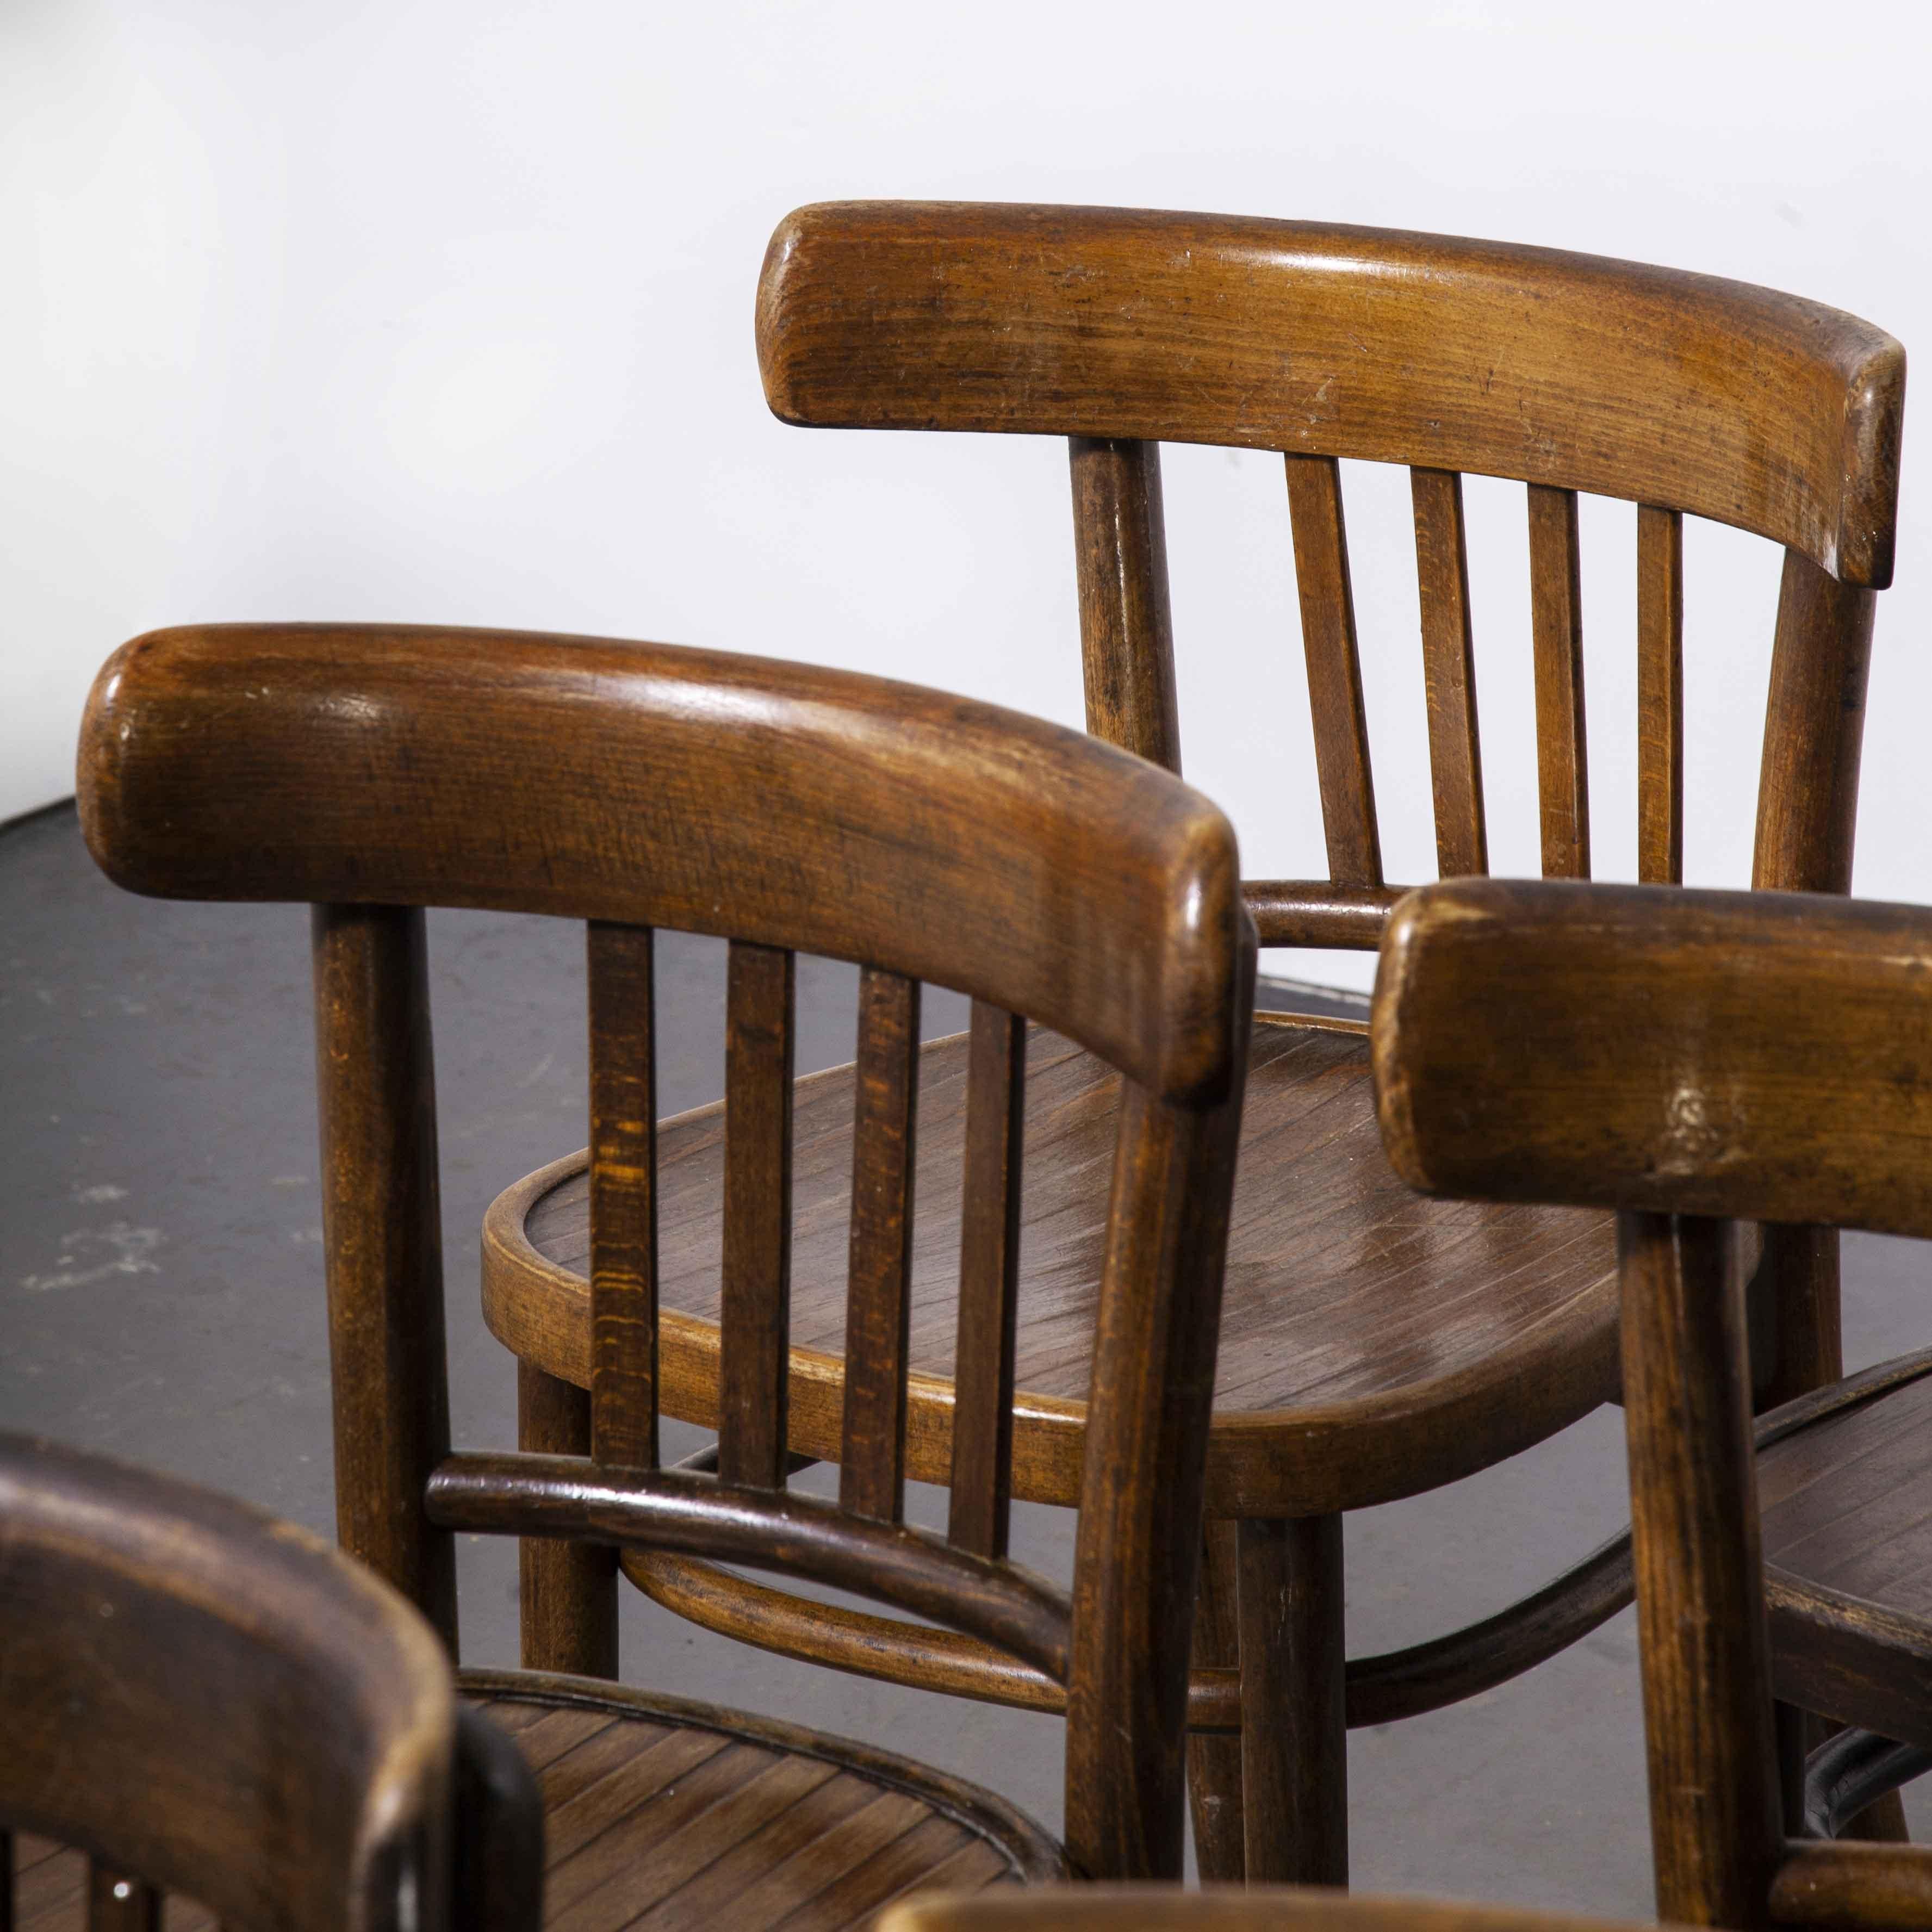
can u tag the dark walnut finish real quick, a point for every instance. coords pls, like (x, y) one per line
(1690, 1059)
(200, 1698)
(1342, 1383)
(1048, 874)
(1264, 1909)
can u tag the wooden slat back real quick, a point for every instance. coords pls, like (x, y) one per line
(1127, 632)
(623, 1198)
(1449, 670)
(1659, 695)
(754, 1320)
(1563, 767)
(878, 1307)
(989, 1242)
(1334, 671)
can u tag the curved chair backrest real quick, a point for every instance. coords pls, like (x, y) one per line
(1121, 328)
(1682, 1057)
(1052, 878)
(198, 1694)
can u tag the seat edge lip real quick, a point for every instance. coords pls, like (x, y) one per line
(1036, 1857)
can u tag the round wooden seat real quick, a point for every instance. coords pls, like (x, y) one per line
(1373, 1343)
(662, 1813)
(1845, 1488)
(659, 1813)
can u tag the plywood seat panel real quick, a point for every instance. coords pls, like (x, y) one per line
(661, 1813)
(1846, 1505)
(1373, 1343)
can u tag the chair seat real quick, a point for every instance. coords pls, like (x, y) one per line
(1845, 1488)
(661, 1813)
(1372, 1343)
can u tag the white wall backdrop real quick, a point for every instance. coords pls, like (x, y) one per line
(441, 310)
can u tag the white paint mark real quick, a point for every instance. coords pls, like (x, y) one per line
(126, 1250)
(106, 1191)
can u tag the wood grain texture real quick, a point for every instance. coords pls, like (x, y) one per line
(1848, 1548)
(1214, 1763)
(1734, 402)
(1104, 1908)
(1311, 1388)
(1143, 1463)
(1294, 1768)
(1754, 1039)
(979, 1508)
(1449, 671)
(878, 1302)
(785, 807)
(1715, 1817)
(665, 1813)
(623, 1198)
(595, 780)
(1126, 632)
(1313, 912)
(383, 1245)
(759, 1033)
(1659, 695)
(1328, 600)
(567, 1592)
(1662, 1049)
(213, 1702)
(1380, 1689)
(1556, 629)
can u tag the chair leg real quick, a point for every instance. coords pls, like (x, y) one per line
(1214, 1760)
(1294, 1764)
(568, 1593)
(1800, 1733)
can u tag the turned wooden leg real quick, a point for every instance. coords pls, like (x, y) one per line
(1214, 1761)
(1294, 1765)
(568, 1594)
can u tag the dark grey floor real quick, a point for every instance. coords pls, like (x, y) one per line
(161, 1297)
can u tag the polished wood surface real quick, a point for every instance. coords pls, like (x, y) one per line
(1265, 1909)
(1761, 1055)
(663, 1813)
(212, 1703)
(1528, 1342)
(1731, 402)
(592, 779)
(1718, 1055)
(635, 785)
(1118, 328)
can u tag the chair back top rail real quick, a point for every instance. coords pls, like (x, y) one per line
(217, 1702)
(1763, 1056)
(828, 812)
(1687, 392)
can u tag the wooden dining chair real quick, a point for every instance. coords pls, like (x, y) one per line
(1684, 1059)
(1341, 1383)
(194, 1695)
(373, 772)
(1147, 1908)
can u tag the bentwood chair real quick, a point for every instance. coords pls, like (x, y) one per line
(1681, 1058)
(373, 772)
(1261, 1908)
(1375, 1345)
(195, 1695)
